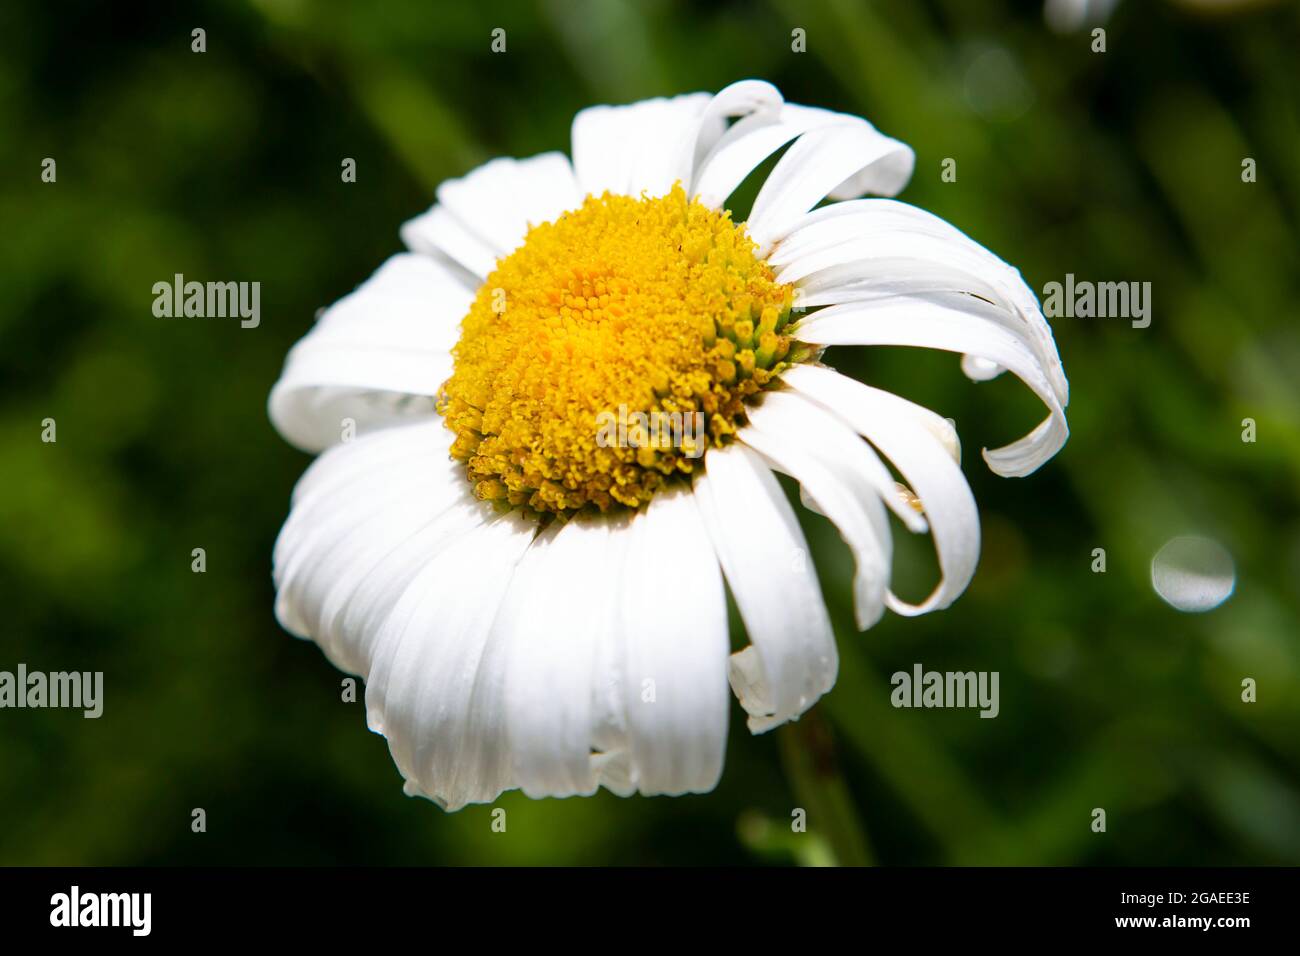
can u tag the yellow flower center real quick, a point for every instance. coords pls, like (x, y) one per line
(608, 352)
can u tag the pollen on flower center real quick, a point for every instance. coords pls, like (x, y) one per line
(602, 357)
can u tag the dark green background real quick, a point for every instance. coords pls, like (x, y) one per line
(1117, 166)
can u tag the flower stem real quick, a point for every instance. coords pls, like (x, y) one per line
(808, 756)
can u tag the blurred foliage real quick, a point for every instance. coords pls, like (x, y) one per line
(1116, 166)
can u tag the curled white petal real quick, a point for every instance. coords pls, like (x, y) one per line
(877, 249)
(883, 168)
(900, 430)
(840, 160)
(740, 99)
(796, 436)
(792, 660)
(936, 322)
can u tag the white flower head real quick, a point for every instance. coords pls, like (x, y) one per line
(1068, 16)
(535, 606)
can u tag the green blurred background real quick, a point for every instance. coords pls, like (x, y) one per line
(226, 165)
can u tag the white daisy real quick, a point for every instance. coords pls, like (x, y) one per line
(542, 610)
(1067, 16)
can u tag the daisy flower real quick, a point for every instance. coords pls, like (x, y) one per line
(535, 606)
(1067, 16)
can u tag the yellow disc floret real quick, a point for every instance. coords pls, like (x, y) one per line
(609, 351)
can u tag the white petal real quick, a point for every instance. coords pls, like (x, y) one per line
(429, 654)
(980, 369)
(675, 623)
(609, 743)
(438, 233)
(649, 145)
(558, 614)
(751, 140)
(844, 451)
(872, 249)
(935, 322)
(662, 142)
(377, 356)
(792, 660)
(496, 204)
(799, 437)
(353, 476)
(1066, 16)
(841, 160)
(342, 462)
(898, 428)
(371, 511)
(643, 146)
(309, 561)
(740, 99)
(377, 576)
